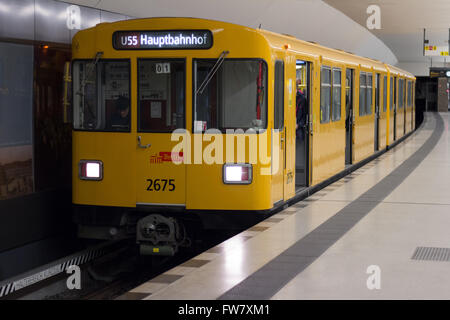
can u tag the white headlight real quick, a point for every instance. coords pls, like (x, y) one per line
(237, 173)
(93, 170)
(90, 170)
(233, 174)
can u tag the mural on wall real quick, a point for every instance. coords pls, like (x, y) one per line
(16, 92)
(16, 171)
(35, 143)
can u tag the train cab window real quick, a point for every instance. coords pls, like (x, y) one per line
(384, 93)
(234, 97)
(161, 95)
(325, 94)
(369, 94)
(101, 94)
(337, 93)
(362, 93)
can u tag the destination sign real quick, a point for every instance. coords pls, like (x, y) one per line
(159, 40)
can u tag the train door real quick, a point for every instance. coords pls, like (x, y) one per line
(349, 118)
(302, 111)
(394, 98)
(377, 112)
(278, 134)
(160, 173)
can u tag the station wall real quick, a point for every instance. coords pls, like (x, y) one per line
(35, 143)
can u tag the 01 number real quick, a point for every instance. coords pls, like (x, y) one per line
(161, 184)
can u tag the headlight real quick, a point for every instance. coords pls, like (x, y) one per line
(237, 173)
(90, 170)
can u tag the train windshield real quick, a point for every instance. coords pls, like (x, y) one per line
(235, 97)
(101, 95)
(161, 95)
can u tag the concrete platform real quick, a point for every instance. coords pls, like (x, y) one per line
(380, 233)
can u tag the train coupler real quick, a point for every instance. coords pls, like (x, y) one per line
(161, 236)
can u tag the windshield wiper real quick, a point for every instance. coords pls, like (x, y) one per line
(213, 71)
(87, 75)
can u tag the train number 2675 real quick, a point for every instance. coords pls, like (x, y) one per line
(161, 184)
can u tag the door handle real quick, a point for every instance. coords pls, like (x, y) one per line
(311, 128)
(143, 146)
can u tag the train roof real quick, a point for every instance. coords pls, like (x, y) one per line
(278, 41)
(315, 50)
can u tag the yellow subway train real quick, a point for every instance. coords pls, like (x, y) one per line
(182, 121)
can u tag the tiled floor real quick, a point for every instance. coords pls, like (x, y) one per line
(343, 243)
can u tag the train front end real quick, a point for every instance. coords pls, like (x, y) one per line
(171, 127)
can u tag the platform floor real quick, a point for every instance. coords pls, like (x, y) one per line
(382, 232)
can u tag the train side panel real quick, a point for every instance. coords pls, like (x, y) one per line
(328, 136)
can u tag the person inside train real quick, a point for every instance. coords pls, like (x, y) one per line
(300, 112)
(347, 109)
(121, 118)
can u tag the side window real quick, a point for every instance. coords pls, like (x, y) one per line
(278, 112)
(325, 94)
(161, 95)
(409, 94)
(302, 70)
(362, 94)
(336, 109)
(369, 94)
(349, 89)
(405, 93)
(377, 92)
(385, 93)
(406, 97)
(400, 93)
(391, 94)
(395, 96)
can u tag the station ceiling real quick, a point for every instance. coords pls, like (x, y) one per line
(402, 21)
(402, 24)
